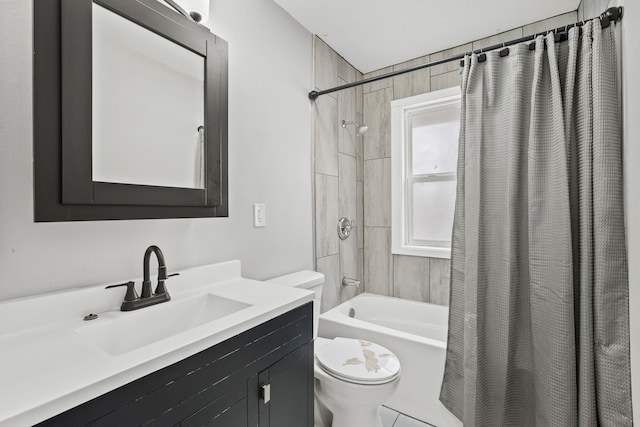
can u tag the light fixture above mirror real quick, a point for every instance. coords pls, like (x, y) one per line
(197, 9)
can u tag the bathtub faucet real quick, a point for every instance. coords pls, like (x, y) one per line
(350, 282)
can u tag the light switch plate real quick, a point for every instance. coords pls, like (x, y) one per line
(259, 215)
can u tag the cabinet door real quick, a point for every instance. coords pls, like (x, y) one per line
(290, 382)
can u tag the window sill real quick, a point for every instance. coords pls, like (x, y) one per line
(423, 251)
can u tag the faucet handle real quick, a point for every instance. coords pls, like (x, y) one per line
(131, 290)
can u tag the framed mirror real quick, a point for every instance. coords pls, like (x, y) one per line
(162, 86)
(130, 117)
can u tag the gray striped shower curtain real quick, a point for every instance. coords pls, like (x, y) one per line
(539, 311)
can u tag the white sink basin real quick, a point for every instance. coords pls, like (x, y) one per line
(209, 305)
(145, 326)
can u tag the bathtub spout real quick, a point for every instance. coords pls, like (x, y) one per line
(350, 282)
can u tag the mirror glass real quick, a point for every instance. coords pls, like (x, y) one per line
(148, 106)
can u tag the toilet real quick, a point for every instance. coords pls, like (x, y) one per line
(352, 377)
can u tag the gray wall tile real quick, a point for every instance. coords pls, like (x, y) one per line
(580, 11)
(348, 266)
(361, 269)
(380, 272)
(549, 24)
(360, 152)
(591, 8)
(326, 215)
(336, 163)
(413, 83)
(360, 213)
(380, 84)
(326, 133)
(326, 67)
(411, 278)
(439, 280)
(377, 115)
(378, 263)
(330, 267)
(346, 71)
(359, 94)
(506, 36)
(449, 66)
(446, 80)
(347, 187)
(377, 192)
(346, 111)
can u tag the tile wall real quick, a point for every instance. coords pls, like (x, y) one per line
(368, 257)
(339, 186)
(591, 8)
(415, 278)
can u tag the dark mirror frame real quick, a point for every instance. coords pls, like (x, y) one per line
(63, 185)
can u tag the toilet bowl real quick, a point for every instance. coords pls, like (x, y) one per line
(352, 377)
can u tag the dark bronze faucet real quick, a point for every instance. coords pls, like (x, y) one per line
(131, 299)
(162, 272)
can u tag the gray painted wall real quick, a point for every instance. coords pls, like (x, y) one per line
(269, 162)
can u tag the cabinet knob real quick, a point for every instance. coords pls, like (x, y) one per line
(265, 392)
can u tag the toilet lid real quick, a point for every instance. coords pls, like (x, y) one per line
(358, 361)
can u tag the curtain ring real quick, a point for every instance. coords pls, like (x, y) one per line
(504, 51)
(482, 56)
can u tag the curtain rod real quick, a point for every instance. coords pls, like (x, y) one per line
(613, 14)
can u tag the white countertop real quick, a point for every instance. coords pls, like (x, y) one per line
(46, 367)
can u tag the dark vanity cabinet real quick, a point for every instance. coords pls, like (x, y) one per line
(287, 406)
(262, 377)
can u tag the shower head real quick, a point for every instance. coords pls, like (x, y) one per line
(360, 129)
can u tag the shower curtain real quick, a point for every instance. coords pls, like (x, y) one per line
(539, 322)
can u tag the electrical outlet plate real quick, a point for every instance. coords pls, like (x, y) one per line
(259, 215)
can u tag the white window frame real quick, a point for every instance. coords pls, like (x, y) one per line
(400, 158)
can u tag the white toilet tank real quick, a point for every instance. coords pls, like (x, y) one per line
(305, 279)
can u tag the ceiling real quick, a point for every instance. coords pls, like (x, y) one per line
(373, 34)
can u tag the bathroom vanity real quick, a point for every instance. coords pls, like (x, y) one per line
(225, 351)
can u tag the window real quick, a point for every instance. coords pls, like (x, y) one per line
(424, 139)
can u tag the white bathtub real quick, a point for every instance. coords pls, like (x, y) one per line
(416, 332)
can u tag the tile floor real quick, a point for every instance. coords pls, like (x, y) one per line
(391, 418)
